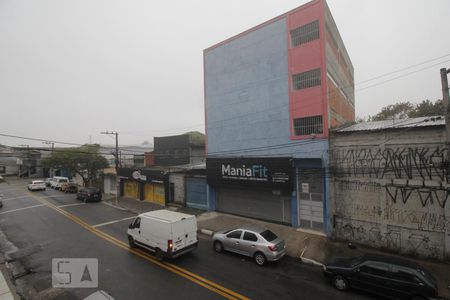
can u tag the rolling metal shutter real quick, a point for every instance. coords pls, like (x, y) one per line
(196, 193)
(259, 204)
(131, 189)
(154, 192)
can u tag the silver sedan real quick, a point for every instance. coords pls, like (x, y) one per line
(260, 243)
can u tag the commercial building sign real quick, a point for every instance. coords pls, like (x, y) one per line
(142, 175)
(272, 173)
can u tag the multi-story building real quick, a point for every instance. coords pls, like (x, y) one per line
(271, 95)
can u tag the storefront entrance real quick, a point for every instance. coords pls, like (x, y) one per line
(154, 192)
(131, 189)
(310, 198)
(255, 203)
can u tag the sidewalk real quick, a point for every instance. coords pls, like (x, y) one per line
(5, 292)
(303, 245)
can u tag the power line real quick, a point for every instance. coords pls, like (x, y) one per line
(402, 69)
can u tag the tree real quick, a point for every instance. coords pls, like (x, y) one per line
(85, 161)
(402, 110)
(399, 110)
(428, 108)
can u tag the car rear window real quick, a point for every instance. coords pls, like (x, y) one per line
(269, 235)
(38, 181)
(92, 190)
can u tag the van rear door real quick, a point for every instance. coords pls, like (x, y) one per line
(184, 233)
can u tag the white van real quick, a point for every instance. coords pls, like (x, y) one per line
(167, 233)
(57, 181)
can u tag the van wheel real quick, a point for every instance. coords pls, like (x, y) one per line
(340, 283)
(218, 247)
(260, 259)
(131, 242)
(159, 254)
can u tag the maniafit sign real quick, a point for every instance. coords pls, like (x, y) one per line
(272, 173)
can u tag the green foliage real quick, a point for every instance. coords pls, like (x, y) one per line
(428, 108)
(85, 161)
(399, 110)
(403, 110)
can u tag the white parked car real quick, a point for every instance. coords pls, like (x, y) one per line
(167, 233)
(36, 185)
(58, 181)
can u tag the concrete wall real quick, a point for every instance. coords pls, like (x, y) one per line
(197, 155)
(390, 190)
(179, 187)
(109, 186)
(10, 165)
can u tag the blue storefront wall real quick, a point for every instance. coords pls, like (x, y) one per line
(196, 193)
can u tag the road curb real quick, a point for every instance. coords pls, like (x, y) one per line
(310, 261)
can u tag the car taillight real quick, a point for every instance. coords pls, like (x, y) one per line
(272, 248)
(169, 245)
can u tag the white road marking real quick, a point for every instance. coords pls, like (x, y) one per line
(115, 206)
(112, 222)
(27, 207)
(55, 196)
(74, 204)
(21, 197)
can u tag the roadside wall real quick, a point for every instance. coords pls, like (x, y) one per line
(390, 190)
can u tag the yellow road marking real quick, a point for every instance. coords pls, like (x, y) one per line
(223, 291)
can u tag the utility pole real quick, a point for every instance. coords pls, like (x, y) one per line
(446, 101)
(116, 154)
(53, 148)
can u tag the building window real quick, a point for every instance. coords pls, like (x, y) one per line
(305, 33)
(2, 169)
(308, 125)
(306, 79)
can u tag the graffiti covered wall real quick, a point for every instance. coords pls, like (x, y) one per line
(391, 190)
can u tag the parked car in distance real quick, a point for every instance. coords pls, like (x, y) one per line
(36, 185)
(257, 242)
(69, 187)
(385, 276)
(89, 194)
(168, 234)
(57, 181)
(48, 181)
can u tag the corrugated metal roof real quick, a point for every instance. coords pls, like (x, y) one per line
(393, 124)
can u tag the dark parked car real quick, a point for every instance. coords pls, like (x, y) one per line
(386, 276)
(89, 194)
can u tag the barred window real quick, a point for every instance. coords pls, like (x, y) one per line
(306, 79)
(308, 125)
(305, 33)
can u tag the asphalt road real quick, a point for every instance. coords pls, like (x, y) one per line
(49, 224)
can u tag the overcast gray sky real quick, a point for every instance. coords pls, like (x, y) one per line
(70, 69)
